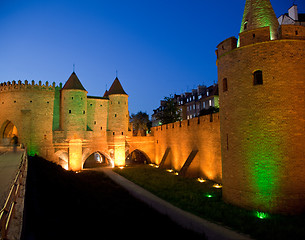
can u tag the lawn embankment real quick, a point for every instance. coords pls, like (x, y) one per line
(204, 200)
(61, 204)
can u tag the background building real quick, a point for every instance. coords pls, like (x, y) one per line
(192, 103)
(292, 17)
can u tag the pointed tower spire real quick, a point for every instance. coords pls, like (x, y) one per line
(116, 88)
(258, 14)
(73, 83)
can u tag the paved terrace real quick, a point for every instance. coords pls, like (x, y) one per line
(9, 164)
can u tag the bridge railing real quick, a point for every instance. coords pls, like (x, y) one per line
(7, 212)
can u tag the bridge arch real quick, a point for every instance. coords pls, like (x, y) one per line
(7, 131)
(137, 157)
(63, 157)
(97, 159)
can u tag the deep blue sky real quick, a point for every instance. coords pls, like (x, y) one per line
(158, 47)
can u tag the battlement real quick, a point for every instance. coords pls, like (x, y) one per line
(197, 121)
(292, 32)
(254, 36)
(17, 86)
(250, 37)
(226, 46)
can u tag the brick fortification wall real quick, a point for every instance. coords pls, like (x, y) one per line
(30, 108)
(202, 134)
(262, 126)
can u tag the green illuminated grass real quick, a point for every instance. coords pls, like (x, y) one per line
(205, 201)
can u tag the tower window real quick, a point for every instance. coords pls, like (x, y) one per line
(69, 111)
(84, 112)
(258, 77)
(115, 115)
(72, 97)
(225, 84)
(245, 25)
(296, 33)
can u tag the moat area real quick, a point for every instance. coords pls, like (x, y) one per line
(62, 204)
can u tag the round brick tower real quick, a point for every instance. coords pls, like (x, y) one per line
(73, 108)
(118, 119)
(262, 113)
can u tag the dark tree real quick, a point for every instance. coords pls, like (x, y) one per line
(140, 122)
(208, 111)
(171, 112)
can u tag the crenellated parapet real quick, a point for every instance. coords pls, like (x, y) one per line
(26, 85)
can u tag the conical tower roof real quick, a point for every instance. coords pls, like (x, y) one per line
(73, 83)
(116, 88)
(258, 14)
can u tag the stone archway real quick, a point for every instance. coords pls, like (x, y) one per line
(63, 159)
(7, 131)
(137, 157)
(97, 159)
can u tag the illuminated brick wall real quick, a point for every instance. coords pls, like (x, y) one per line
(200, 133)
(29, 107)
(262, 126)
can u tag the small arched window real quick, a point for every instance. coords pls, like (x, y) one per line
(258, 77)
(245, 25)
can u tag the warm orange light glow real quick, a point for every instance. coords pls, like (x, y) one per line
(216, 185)
(170, 170)
(201, 180)
(75, 154)
(119, 155)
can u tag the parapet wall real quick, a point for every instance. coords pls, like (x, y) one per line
(202, 134)
(16, 86)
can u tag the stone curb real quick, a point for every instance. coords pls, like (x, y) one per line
(185, 219)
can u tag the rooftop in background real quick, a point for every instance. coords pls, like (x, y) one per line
(292, 17)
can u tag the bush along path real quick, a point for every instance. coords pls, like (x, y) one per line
(60, 204)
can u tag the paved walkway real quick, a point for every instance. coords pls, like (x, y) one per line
(183, 218)
(9, 165)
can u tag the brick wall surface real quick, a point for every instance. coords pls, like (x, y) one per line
(201, 133)
(263, 126)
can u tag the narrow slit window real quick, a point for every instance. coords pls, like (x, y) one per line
(225, 84)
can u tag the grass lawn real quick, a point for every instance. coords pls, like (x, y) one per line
(61, 204)
(205, 201)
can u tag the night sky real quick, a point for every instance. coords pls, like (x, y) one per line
(158, 47)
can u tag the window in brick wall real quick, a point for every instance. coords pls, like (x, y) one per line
(258, 77)
(225, 84)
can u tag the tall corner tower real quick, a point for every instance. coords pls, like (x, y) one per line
(118, 120)
(262, 113)
(259, 14)
(73, 108)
